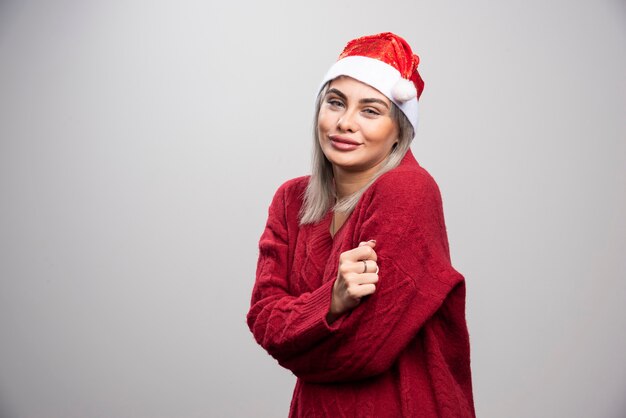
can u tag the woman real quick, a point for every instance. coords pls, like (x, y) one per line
(355, 293)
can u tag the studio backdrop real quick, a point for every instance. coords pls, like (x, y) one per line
(142, 141)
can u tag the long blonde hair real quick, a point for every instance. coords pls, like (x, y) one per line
(320, 196)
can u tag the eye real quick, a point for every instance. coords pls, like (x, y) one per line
(371, 111)
(334, 102)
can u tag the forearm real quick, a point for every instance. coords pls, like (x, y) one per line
(369, 339)
(286, 325)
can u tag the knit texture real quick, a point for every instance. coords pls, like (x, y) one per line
(403, 351)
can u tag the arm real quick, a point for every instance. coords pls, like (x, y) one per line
(281, 323)
(405, 217)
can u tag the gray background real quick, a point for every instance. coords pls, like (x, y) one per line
(141, 143)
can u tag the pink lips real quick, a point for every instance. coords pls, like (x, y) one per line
(343, 144)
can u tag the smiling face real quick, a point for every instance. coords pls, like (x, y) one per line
(356, 129)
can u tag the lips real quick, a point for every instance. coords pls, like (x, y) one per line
(342, 143)
(343, 140)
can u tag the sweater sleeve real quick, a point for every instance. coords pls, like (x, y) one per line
(282, 323)
(403, 213)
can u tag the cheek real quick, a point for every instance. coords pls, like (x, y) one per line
(322, 130)
(385, 136)
(392, 134)
(324, 120)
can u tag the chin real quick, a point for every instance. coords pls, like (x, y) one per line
(352, 166)
(343, 161)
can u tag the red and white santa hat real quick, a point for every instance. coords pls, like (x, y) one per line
(386, 62)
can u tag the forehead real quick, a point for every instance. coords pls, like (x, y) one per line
(357, 89)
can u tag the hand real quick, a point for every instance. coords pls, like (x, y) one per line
(357, 276)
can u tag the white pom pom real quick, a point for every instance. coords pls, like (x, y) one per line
(403, 91)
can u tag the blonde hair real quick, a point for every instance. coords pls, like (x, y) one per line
(320, 196)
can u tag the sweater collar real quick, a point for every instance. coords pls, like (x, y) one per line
(408, 160)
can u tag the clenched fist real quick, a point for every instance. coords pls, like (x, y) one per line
(357, 276)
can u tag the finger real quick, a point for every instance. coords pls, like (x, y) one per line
(369, 266)
(360, 279)
(359, 267)
(371, 243)
(363, 266)
(364, 252)
(358, 292)
(368, 278)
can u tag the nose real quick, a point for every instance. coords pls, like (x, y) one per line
(347, 122)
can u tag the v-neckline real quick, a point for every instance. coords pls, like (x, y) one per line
(330, 216)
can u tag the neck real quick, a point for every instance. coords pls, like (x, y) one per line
(349, 182)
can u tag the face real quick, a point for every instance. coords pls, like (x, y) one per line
(355, 128)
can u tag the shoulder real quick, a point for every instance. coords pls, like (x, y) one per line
(404, 206)
(408, 184)
(289, 196)
(294, 185)
(292, 190)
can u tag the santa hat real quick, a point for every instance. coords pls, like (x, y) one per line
(384, 61)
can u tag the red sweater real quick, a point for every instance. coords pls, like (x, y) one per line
(403, 351)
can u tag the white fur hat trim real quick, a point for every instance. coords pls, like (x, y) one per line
(403, 91)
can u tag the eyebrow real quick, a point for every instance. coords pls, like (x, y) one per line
(368, 100)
